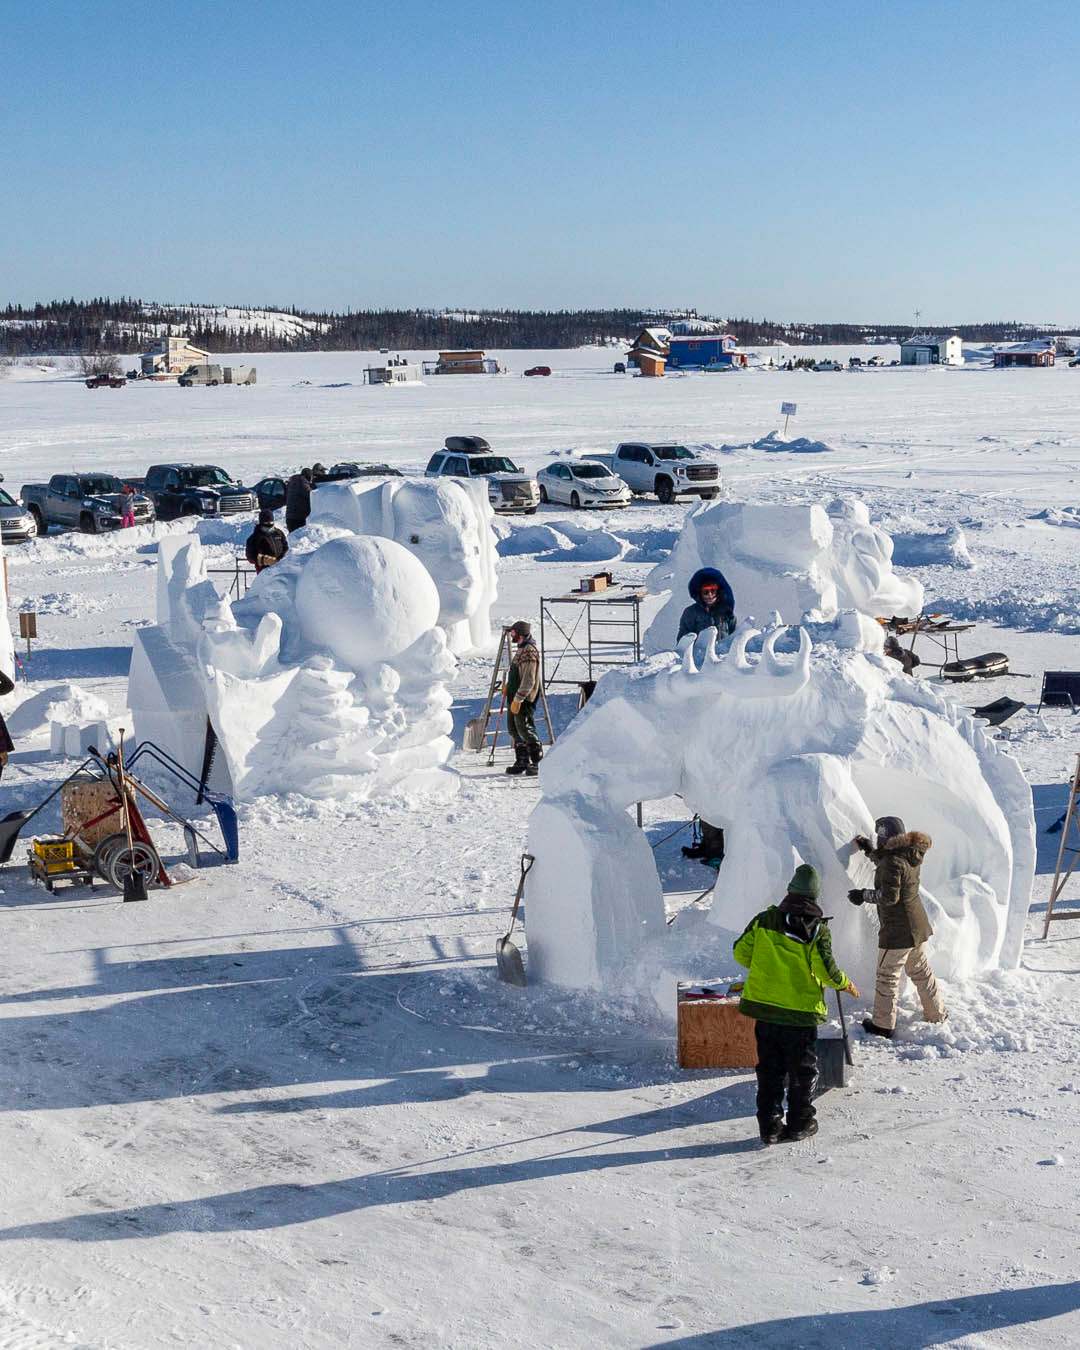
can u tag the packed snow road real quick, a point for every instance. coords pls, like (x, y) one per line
(288, 1104)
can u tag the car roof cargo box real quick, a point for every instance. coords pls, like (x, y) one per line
(469, 445)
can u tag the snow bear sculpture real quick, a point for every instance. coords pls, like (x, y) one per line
(337, 688)
(804, 561)
(447, 523)
(793, 755)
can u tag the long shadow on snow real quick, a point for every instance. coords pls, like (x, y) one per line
(280, 1206)
(244, 1021)
(919, 1326)
(69, 663)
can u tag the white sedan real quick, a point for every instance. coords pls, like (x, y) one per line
(582, 482)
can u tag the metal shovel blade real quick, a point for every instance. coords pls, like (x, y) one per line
(508, 960)
(135, 886)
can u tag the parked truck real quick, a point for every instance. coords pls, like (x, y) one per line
(211, 373)
(666, 469)
(195, 490)
(83, 501)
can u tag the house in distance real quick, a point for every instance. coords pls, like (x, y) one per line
(929, 349)
(1040, 352)
(172, 355)
(462, 363)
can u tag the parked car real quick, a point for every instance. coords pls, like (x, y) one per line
(84, 501)
(828, 365)
(342, 473)
(538, 370)
(195, 490)
(17, 524)
(509, 488)
(582, 483)
(669, 470)
(106, 381)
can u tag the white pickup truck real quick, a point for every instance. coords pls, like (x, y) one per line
(667, 469)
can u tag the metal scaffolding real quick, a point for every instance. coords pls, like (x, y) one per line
(584, 633)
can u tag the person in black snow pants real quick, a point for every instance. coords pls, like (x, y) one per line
(713, 607)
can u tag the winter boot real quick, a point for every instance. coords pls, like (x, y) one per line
(772, 1131)
(536, 754)
(794, 1133)
(521, 760)
(872, 1029)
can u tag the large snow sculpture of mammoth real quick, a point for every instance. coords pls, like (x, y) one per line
(793, 754)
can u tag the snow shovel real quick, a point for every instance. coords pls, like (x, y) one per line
(134, 881)
(834, 1056)
(508, 960)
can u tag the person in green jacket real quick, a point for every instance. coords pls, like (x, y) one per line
(787, 949)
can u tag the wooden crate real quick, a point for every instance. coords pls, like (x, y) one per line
(84, 801)
(714, 1034)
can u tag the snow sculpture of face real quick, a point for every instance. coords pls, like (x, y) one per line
(438, 524)
(364, 600)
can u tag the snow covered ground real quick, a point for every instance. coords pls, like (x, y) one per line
(288, 1105)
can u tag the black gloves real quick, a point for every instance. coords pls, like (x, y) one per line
(856, 897)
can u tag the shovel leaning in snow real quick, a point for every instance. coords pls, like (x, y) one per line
(834, 1056)
(134, 881)
(508, 960)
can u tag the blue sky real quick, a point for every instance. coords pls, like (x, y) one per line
(852, 161)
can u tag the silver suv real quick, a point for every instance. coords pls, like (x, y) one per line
(510, 489)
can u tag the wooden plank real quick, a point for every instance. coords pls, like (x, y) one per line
(714, 1034)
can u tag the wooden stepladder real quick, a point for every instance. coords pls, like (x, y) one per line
(493, 718)
(1070, 844)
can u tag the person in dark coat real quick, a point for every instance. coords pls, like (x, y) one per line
(713, 607)
(7, 686)
(903, 928)
(266, 544)
(298, 500)
(521, 691)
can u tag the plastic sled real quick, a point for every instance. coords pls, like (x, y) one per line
(984, 667)
(999, 711)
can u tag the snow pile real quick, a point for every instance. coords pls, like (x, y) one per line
(63, 705)
(925, 549)
(793, 756)
(447, 524)
(568, 541)
(800, 560)
(797, 445)
(328, 680)
(1059, 515)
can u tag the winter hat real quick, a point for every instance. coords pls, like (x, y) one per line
(805, 882)
(306, 473)
(521, 628)
(888, 827)
(266, 516)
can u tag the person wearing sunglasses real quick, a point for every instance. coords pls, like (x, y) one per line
(713, 605)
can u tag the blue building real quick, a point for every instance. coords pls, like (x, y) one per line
(704, 352)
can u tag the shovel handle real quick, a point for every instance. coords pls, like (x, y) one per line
(848, 1056)
(527, 861)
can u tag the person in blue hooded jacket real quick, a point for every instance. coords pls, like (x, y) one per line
(713, 607)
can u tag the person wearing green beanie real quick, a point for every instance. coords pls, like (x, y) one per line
(787, 950)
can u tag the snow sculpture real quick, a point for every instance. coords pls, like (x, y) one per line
(793, 755)
(330, 678)
(801, 560)
(445, 522)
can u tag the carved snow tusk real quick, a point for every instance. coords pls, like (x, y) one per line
(710, 648)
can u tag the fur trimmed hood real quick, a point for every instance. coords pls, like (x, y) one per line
(911, 841)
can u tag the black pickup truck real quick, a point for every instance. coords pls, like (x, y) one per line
(195, 490)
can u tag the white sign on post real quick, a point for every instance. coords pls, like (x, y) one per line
(788, 410)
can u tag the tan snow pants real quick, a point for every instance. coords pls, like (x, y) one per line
(893, 964)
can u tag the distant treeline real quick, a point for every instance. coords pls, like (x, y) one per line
(63, 327)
